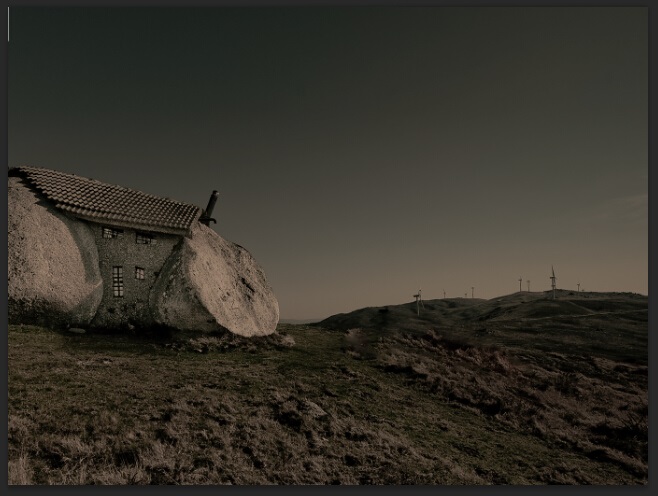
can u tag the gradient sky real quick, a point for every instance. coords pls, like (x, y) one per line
(361, 153)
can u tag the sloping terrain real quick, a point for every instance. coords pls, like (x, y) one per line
(484, 397)
(608, 324)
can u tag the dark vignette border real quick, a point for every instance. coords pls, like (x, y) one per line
(653, 183)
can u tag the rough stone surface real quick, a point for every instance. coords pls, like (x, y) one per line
(132, 309)
(53, 274)
(211, 284)
(202, 283)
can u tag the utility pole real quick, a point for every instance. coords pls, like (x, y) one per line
(419, 301)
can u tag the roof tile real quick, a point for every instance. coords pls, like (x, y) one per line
(107, 202)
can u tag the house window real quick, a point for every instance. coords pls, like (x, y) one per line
(117, 281)
(109, 233)
(139, 273)
(143, 238)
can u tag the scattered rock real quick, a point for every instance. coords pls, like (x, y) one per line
(313, 409)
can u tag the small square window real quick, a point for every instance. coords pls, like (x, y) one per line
(109, 233)
(139, 273)
(143, 238)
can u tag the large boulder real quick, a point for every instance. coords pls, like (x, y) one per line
(210, 284)
(53, 273)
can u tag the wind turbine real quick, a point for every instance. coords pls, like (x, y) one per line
(472, 292)
(444, 294)
(528, 281)
(553, 281)
(579, 287)
(520, 281)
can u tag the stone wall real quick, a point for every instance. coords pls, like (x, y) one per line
(131, 309)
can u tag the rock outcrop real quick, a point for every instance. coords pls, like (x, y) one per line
(206, 284)
(211, 284)
(53, 273)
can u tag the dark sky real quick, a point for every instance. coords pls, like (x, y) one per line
(361, 153)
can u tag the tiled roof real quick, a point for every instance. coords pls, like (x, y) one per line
(110, 204)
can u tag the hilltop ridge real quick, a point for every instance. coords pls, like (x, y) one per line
(573, 318)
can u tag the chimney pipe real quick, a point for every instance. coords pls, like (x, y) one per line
(205, 217)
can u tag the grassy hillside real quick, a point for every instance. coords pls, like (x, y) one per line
(612, 325)
(505, 391)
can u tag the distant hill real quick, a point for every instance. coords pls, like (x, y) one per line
(298, 321)
(588, 320)
(519, 305)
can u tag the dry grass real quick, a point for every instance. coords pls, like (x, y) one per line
(312, 406)
(595, 407)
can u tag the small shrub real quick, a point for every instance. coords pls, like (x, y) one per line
(19, 471)
(566, 383)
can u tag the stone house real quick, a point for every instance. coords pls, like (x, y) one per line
(135, 235)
